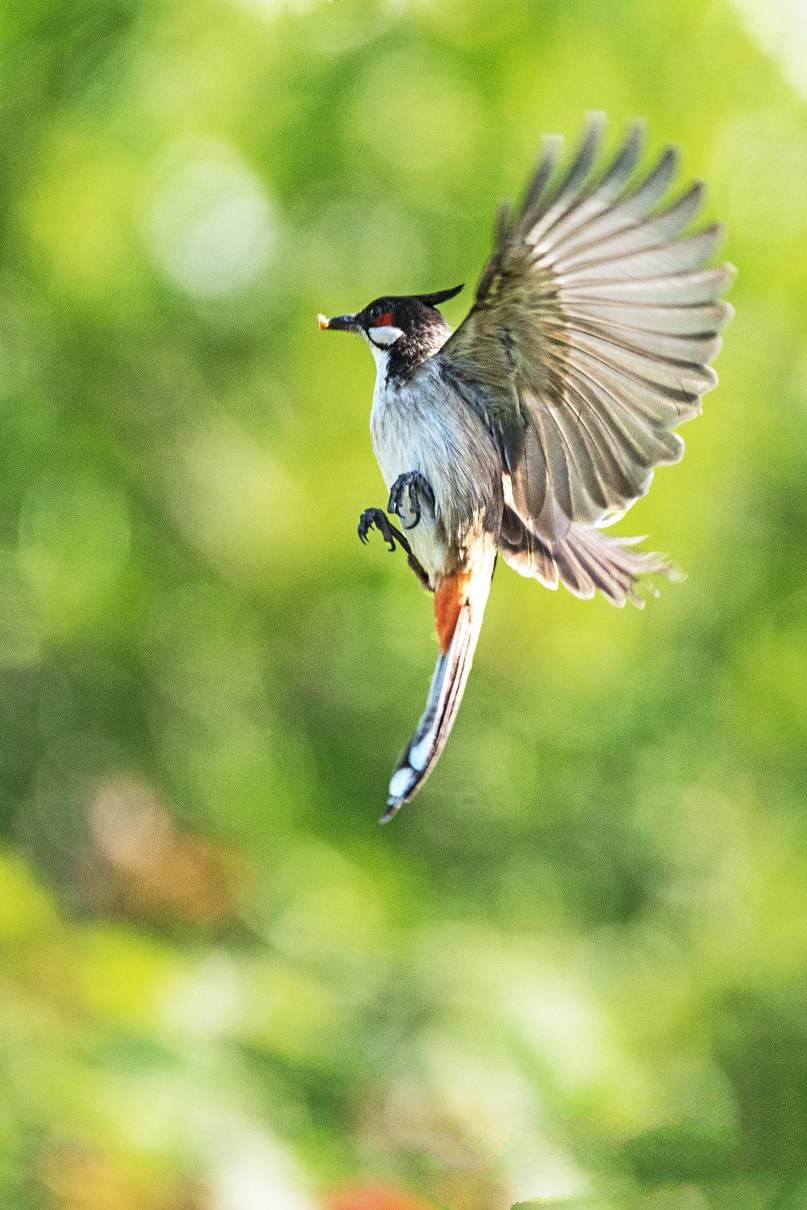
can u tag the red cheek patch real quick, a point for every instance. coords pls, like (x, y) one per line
(385, 320)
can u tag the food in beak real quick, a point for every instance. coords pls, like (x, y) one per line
(338, 323)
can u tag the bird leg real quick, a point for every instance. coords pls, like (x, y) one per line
(376, 517)
(414, 486)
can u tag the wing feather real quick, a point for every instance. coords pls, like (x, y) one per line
(571, 186)
(590, 337)
(675, 289)
(630, 207)
(665, 371)
(657, 260)
(636, 236)
(552, 149)
(696, 347)
(613, 180)
(675, 320)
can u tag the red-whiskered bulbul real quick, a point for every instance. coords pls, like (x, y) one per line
(540, 420)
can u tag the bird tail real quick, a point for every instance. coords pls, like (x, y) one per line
(459, 607)
(585, 561)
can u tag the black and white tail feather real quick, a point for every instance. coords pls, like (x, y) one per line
(445, 693)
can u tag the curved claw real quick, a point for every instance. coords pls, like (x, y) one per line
(414, 505)
(374, 517)
(416, 487)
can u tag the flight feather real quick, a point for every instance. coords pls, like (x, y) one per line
(591, 333)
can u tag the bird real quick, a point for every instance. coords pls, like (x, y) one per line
(540, 420)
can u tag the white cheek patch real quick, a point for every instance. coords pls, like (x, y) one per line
(384, 336)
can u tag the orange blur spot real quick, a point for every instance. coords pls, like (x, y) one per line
(368, 1198)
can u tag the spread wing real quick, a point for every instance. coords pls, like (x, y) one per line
(591, 333)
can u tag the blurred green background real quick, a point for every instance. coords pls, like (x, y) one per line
(574, 969)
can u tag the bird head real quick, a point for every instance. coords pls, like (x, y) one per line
(401, 329)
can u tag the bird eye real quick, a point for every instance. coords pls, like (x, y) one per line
(378, 317)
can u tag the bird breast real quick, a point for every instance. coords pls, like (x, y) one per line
(421, 424)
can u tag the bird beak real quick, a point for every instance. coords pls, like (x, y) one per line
(341, 323)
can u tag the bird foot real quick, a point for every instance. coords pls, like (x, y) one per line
(376, 517)
(410, 489)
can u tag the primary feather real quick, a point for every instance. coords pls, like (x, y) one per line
(590, 337)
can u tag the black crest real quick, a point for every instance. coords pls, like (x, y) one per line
(439, 296)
